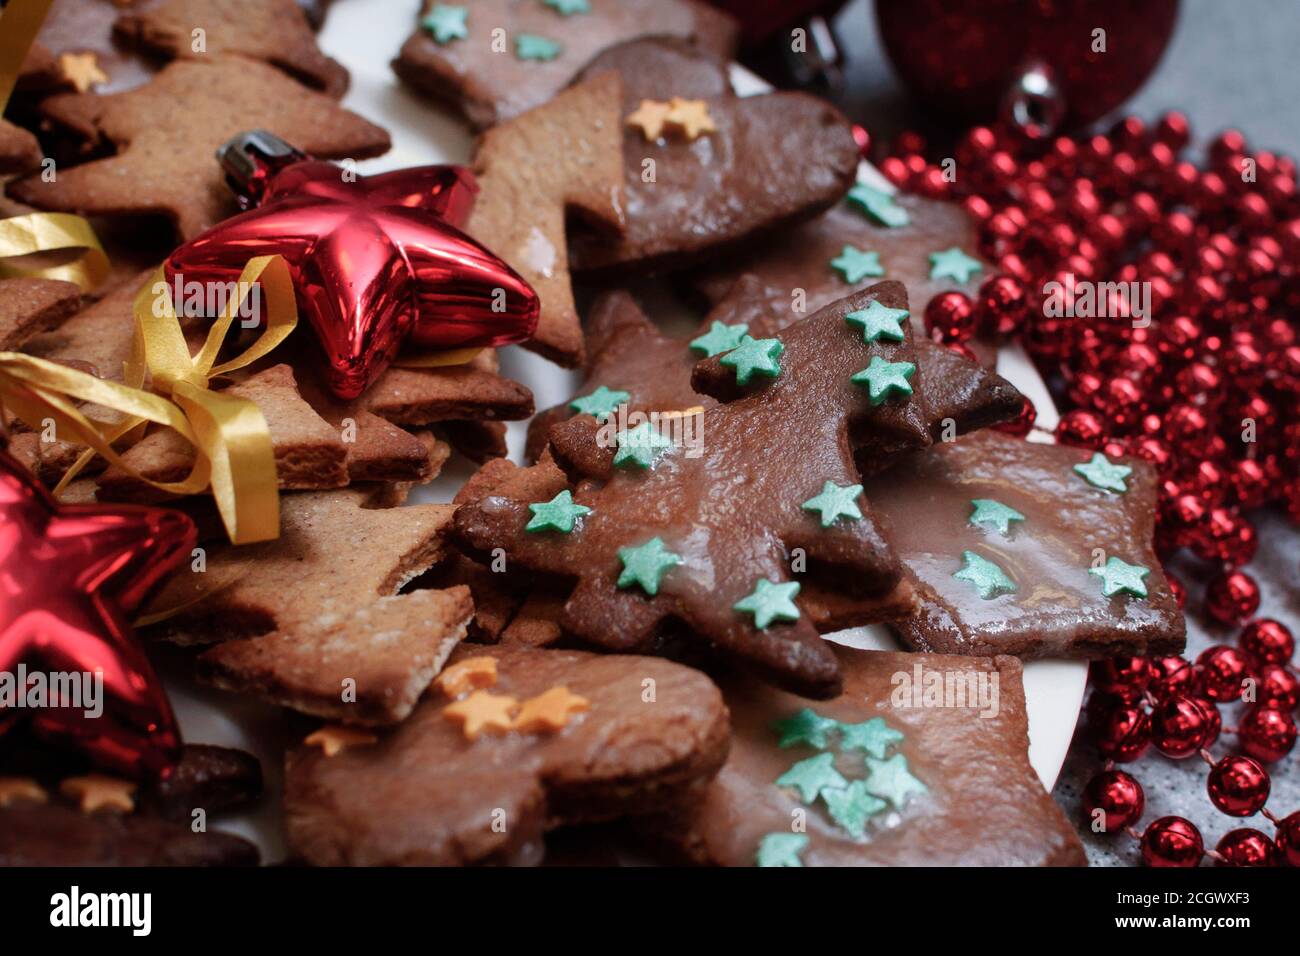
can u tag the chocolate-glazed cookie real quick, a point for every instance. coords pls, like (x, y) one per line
(711, 533)
(509, 743)
(761, 164)
(494, 59)
(922, 761)
(1029, 549)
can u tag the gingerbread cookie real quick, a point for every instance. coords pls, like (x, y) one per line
(493, 60)
(706, 170)
(19, 150)
(510, 742)
(869, 235)
(166, 131)
(560, 158)
(702, 532)
(319, 621)
(922, 761)
(1029, 549)
(29, 307)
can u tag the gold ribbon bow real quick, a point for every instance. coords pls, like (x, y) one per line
(50, 232)
(230, 435)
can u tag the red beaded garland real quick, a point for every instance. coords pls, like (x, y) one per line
(1178, 727)
(1221, 671)
(1277, 688)
(1123, 733)
(1232, 597)
(1287, 840)
(1267, 641)
(1238, 786)
(950, 317)
(1171, 675)
(1246, 846)
(1172, 842)
(1267, 734)
(1112, 801)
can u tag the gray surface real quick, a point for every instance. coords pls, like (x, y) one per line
(1230, 64)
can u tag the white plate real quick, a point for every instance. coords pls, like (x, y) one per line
(364, 35)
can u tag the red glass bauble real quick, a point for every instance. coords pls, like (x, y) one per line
(1232, 597)
(1123, 734)
(1178, 727)
(1277, 687)
(1267, 734)
(1171, 675)
(1113, 800)
(1222, 672)
(1246, 847)
(1267, 641)
(1172, 842)
(1238, 786)
(950, 317)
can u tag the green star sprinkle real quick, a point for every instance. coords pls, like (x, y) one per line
(755, 357)
(810, 777)
(953, 264)
(987, 577)
(446, 23)
(852, 807)
(1101, 472)
(640, 446)
(558, 514)
(856, 264)
(601, 403)
(835, 501)
(781, 849)
(874, 736)
(879, 322)
(529, 46)
(884, 379)
(879, 206)
(645, 565)
(891, 780)
(995, 514)
(1119, 576)
(805, 727)
(721, 337)
(770, 602)
(567, 8)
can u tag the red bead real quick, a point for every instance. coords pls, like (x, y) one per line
(1287, 840)
(1172, 842)
(1251, 482)
(1123, 734)
(1178, 727)
(1267, 641)
(1112, 801)
(893, 169)
(1221, 672)
(1127, 677)
(1022, 424)
(1170, 676)
(1232, 597)
(1214, 721)
(1173, 130)
(1003, 305)
(908, 141)
(1081, 428)
(1266, 734)
(1277, 688)
(1238, 786)
(950, 317)
(1226, 143)
(1179, 590)
(1246, 847)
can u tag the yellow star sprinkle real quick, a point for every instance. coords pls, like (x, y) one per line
(649, 117)
(333, 739)
(81, 70)
(480, 712)
(96, 792)
(690, 116)
(472, 673)
(20, 790)
(549, 711)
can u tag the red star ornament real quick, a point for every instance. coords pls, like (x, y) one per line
(376, 261)
(69, 577)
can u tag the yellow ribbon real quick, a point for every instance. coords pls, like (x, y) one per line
(442, 359)
(234, 457)
(49, 232)
(19, 24)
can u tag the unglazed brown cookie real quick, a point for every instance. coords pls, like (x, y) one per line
(19, 150)
(767, 161)
(166, 132)
(533, 740)
(275, 31)
(562, 157)
(319, 606)
(922, 761)
(796, 267)
(707, 533)
(29, 307)
(468, 55)
(1029, 549)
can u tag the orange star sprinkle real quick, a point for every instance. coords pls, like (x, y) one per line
(97, 792)
(549, 711)
(480, 712)
(335, 738)
(649, 117)
(690, 116)
(81, 70)
(470, 674)
(21, 790)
